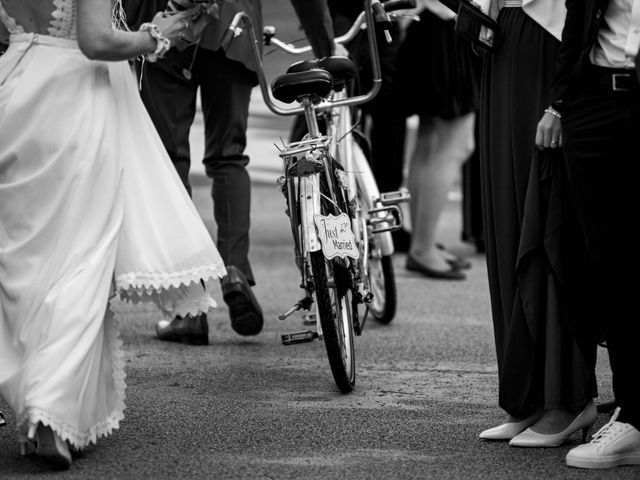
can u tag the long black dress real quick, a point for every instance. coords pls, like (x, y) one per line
(540, 364)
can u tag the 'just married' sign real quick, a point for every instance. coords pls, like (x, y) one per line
(336, 236)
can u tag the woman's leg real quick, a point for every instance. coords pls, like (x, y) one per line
(441, 148)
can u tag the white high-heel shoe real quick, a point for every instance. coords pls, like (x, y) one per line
(48, 445)
(584, 421)
(508, 430)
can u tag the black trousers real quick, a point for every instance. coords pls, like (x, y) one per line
(225, 89)
(601, 130)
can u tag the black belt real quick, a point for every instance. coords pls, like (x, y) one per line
(613, 79)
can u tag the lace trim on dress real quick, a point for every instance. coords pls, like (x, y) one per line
(145, 296)
(148, 281)
(173, 293)
(63, 23)
(78, 439)
(9, 22)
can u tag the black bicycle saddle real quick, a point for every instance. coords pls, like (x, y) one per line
(342, 69)
(290, 87)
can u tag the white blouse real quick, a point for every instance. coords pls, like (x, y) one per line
(549, 14)
(619, 37)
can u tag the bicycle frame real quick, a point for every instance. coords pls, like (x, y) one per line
(304, 163)
(356, 165)
(324, 176)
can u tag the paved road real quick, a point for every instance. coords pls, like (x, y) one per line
(251, 408)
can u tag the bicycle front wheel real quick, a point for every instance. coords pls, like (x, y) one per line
(378, 266)
(382, 282)
(334, 310)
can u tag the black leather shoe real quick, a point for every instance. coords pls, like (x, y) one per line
(190, 329)
(450, 274)
(244, 309)
(2, 421)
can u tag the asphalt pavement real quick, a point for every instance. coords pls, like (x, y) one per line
(251, 408)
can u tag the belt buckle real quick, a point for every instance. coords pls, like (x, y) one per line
(614, 81)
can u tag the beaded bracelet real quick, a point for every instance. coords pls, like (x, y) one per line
(553, 112)
(163, 44)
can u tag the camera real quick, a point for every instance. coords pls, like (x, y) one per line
(473, 24)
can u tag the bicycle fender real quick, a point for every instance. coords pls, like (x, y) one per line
(309, 205)
(369, 190)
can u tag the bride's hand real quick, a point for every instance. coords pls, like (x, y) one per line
(182, 27)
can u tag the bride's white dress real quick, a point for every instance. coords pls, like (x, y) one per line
(94, 223)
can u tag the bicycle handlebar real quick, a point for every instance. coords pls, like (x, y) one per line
(358, 24)
(270, 38)
(371, 8)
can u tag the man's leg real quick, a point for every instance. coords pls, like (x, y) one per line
(170, 99)
(602, 149)
(226, 91)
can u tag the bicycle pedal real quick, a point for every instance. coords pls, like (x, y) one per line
(300, 337)
(395, 197)
(309, 319)
(384, 219)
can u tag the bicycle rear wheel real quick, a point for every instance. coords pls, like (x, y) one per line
(334, 310)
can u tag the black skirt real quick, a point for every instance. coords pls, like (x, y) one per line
(438, 73)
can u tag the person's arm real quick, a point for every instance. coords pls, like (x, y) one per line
(549, 129)
(98, 40)
(4, 35)
(569, 52)
(316, 21)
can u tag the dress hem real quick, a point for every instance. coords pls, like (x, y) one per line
(103, 428)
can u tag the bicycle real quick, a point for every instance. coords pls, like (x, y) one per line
(341, 250)
(352, 145)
